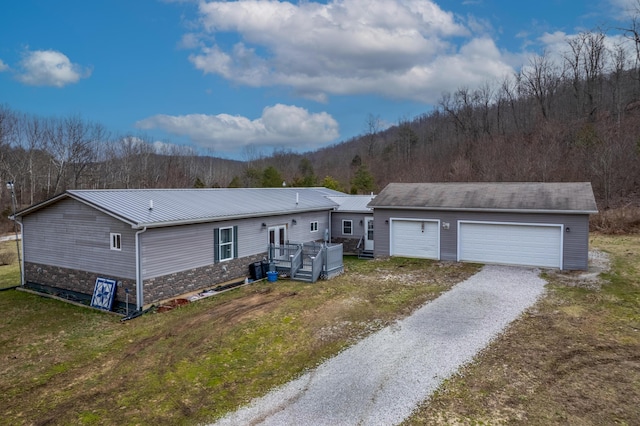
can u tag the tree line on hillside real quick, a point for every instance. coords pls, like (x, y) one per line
(576, 118)
(44, 156)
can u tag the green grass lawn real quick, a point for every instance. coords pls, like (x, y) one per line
(573, 359)
(9, 274)
(64, 364)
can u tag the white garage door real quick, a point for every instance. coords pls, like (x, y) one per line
(511, 244)
(415, 238)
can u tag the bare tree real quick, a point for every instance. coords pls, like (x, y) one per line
(632, 32)
(71, 142)
(374, 125)
(541, 80)
(620, 63)
(33, 142)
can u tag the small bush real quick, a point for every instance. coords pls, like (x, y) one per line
(624, 220)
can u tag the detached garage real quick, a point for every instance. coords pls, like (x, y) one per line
(531, 224)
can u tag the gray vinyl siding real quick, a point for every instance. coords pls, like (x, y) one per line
(71, 235)
(180, 248)
(301, 231)
(174, 249)
(358, 224)
(575, 244)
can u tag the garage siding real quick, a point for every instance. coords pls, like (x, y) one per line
(575, 250)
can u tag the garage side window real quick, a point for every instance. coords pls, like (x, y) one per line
(116, 241)
(314, 226)
(347, 227)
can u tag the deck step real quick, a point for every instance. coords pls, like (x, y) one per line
(365, 254)
(304, 275)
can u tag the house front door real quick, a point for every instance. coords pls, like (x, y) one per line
(368, 234)
(277, 238)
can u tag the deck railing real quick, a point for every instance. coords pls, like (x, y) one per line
(333, 264)
(286, 256)
(319, 260)
(296, 262)
(317, 264)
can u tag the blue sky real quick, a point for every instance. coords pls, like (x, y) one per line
(236, 78)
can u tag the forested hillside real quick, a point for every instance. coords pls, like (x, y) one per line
(573, 119)
(569, 118)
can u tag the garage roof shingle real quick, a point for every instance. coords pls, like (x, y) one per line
(557, 197)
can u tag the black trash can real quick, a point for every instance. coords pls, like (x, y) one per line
(265, 267)
(255, 271)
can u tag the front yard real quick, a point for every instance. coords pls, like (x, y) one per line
(64, 364)
(574, 359)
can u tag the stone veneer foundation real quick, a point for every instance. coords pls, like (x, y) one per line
(171, 285)
(75, 280)
(349, 245)
(155, 289)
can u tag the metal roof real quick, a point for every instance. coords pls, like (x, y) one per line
(165, 207)
(353, 203)
(532, 197)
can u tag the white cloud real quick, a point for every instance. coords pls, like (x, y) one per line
(3, 66)
(49, 68)
(189, 41)
(557, 49)
(279, 126)
(131, 145)
(165, 148)
(395, 48)
(625, 9)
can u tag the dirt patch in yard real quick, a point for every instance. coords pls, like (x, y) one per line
(592, 279)
(196, 361)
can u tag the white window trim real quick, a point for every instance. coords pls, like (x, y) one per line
(221, 244)
(314, 226)
(350, 225)
(115, 241)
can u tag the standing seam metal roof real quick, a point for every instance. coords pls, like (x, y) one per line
(183, 206)
(353, 203)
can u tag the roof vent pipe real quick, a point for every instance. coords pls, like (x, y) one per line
(150, 204)
(297, 198)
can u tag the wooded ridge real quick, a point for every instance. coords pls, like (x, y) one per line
(573, 118)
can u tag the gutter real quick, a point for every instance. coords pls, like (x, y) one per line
(139, 286)
(19, 222)
(226, 218)
(487, 210)
(14, 218)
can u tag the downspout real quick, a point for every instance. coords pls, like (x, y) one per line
(21, 258)
(139, 290)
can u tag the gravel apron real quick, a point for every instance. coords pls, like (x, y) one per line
(383, 378)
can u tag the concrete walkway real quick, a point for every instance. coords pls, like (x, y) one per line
(383, 378)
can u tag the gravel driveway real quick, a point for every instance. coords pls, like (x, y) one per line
(382, 379)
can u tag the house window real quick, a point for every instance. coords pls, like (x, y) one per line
(314, 226)
(226, 244)
(116, 241)
(347, 227)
